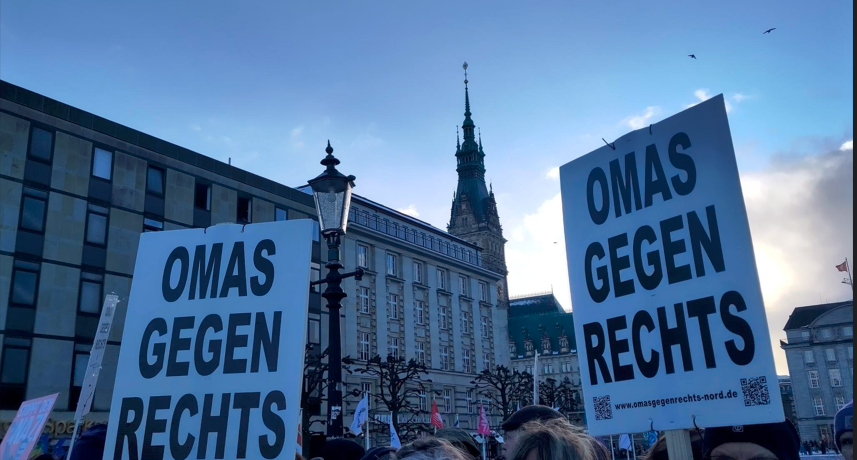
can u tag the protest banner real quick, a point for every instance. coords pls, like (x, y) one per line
(93, 366)
(669, 315)
(26, 428)
(213, 345)
(96, 356)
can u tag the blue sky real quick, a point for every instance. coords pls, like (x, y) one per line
(268, 84)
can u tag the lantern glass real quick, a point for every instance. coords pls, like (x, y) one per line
(333, 206)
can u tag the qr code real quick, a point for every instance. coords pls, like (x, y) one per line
(603, 408)
(756, 391)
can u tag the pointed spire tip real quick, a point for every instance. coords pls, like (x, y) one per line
(329, 149)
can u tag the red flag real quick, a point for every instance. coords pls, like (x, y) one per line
(843, 267)
(436, 421)
(484, 426)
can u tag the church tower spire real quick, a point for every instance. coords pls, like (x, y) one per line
(474, 216)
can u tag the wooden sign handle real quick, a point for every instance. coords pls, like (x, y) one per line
(678, 445)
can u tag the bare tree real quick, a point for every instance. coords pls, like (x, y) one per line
(568, 399)
(548, 394)
(504, 388)
(314, 385)
(401, 383)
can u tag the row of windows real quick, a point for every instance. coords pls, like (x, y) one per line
(829, 354)
(818, 404)
(420, 239)
(40, 149)
(420, 313)
(395, 349)
(835, 376)
(830, 333)
(392, 269)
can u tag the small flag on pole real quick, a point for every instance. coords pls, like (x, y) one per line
(484, 426)
(843, 267)
(361, 415)
(457, 423)
(436, 421)
(625, 442)
(394, 437)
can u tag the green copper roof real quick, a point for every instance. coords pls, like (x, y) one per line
(534, 325)
(536, 304)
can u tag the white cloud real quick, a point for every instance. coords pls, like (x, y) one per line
(195, 127)
(801, 216)
(366, 143)
(741, 97)
(244, 160)
(411, 210)
(643, 119)
(704, 94)
(848, 146)
(296, 134)
(536, 253)
(553, 173)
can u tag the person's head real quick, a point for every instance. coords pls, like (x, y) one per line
(460, 439)
(774, 441)
(379, 453)
(91, 443)
(553, 440)
(342, 449)
(658, 451)
(520, 418)
(430, 449)
(844, 431)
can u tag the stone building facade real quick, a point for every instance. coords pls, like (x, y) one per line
(539, 324)
(76, 192)
(819, 347)
(426, 296)
(788, 397)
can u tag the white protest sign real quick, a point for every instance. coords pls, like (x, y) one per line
(668, 309)
(96, 356)
(213, 346)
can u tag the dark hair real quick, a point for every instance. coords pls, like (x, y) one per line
(658, 451)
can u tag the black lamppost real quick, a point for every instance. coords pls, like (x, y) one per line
(332, 193)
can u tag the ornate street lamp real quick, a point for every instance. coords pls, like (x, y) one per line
(332, 193)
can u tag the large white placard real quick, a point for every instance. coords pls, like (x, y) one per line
(213, 345)
(668, 310)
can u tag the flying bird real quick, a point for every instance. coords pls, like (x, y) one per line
(769, 31)
(692, 56)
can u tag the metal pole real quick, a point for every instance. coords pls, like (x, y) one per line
(850, 280)
(368, 425)
(73, 437)
(678, 445)
(612, 452)
(484, 441)
(633, 447)
(334, 295)
(536, 379)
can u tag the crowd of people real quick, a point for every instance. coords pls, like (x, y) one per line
(540, 433)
